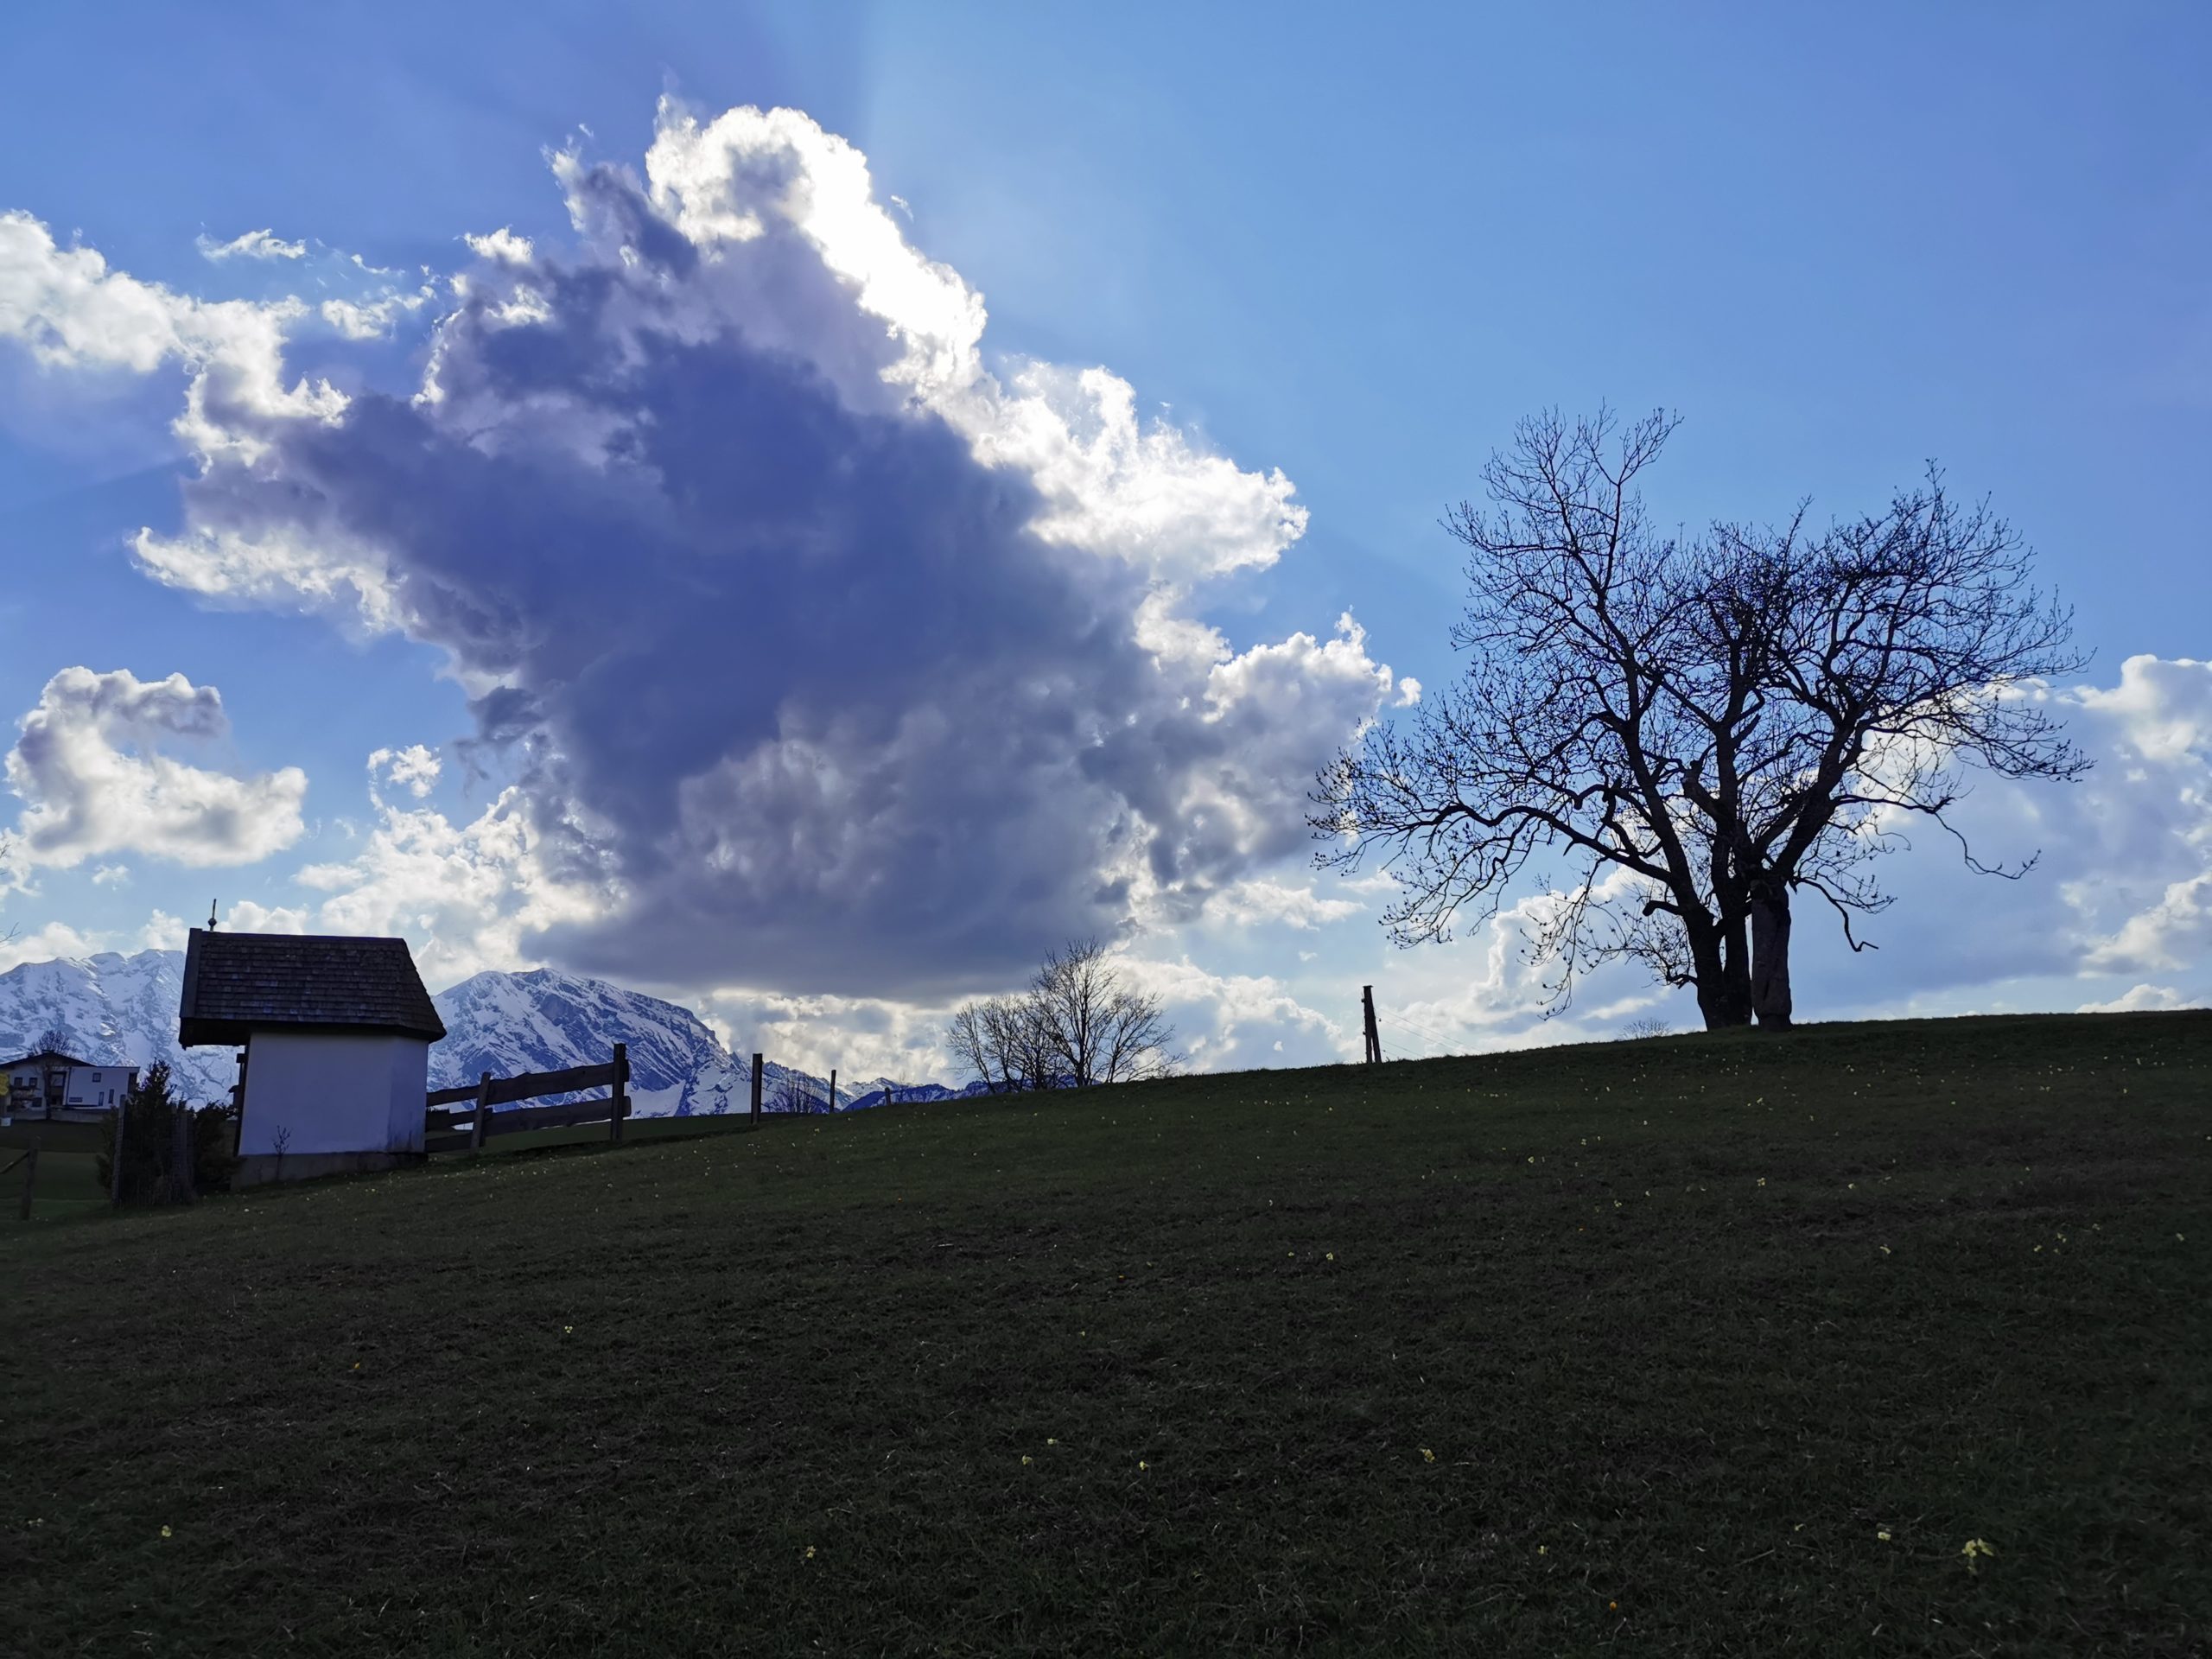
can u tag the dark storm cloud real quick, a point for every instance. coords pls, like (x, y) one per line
(808, 693)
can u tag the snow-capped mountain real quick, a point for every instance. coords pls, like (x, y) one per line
(119, 1009)
(116, 1010)
(545, 1022)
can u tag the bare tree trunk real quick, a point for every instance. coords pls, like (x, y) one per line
(1770, 953)
(1724, 1000)
(1716, 964)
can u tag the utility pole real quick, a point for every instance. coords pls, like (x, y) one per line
(1374, 1038)
(756, 1091)
(833, 1090)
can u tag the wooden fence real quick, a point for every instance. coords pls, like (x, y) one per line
(443, 1130)
(29, 1160)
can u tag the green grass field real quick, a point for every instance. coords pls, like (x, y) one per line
(1699, 1346)
(68, 1184)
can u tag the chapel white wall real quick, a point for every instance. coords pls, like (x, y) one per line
(336, 1092)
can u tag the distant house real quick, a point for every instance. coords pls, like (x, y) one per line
(52, 1084)
(335, 1036)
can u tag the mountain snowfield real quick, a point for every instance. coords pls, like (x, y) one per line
(120, 1009)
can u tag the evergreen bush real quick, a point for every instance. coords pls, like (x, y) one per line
(148, 1129)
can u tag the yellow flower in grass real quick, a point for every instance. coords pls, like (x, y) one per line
(1025, 1459)
(1884, 1536)
(810, 1552)
(1975, 1549)
(1428, 1456)
(165, 1532)
(1142, 1465)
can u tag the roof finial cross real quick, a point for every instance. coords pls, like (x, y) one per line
(211, 915)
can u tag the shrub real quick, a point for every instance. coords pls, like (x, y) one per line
(148, 1129)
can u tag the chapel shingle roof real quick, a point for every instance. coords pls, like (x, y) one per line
(235, 983)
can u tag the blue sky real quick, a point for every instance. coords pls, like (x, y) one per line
(1352, 246)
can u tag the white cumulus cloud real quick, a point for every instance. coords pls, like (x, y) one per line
(94, 768)
(70, 312)
(414, 768)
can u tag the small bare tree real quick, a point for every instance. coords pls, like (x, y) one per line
(1077, 1023)
(967, 1034)
(795, 1095)
(1097, 1027)
(1705, 727)
(999, 1041)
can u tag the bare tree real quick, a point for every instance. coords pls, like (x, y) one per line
(967, 1034)
(1078, 1023)
(1003, 1041)
(1705, 727)
(55, 1039)
(796, 1094)
(1069, 995)
(1094, 1025)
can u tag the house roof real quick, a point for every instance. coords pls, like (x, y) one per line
(237, 983)
(43, 1054)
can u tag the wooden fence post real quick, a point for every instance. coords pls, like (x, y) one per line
(483, 1123)
(31, 1176)
(756, 1091)
(833, 1090)
(621, 1102)
(115, 1167)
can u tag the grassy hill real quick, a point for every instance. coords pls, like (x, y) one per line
(1703, 1345)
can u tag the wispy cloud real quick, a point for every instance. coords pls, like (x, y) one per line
(254, 245)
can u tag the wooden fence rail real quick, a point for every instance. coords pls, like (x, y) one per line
(443, 1128)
